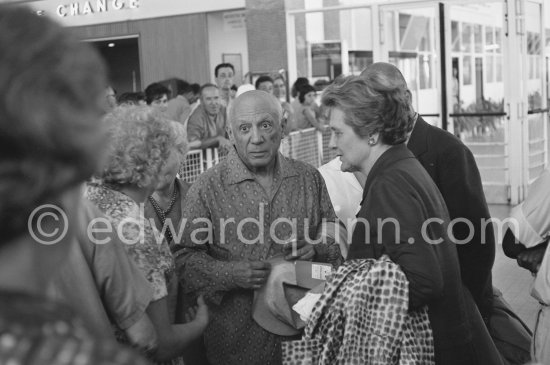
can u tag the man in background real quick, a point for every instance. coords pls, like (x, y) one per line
(206, 125)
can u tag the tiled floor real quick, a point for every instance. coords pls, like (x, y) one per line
(513, 281)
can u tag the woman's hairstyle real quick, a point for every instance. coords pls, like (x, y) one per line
(300, 81)
(52, 97)
(140, 143)
(155, 91)
(385, 110)
(303, 91)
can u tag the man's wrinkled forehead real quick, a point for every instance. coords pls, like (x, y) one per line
(251, 116)
(255, 104)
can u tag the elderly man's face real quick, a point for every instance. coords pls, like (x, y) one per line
(256, 129)
(210, 98)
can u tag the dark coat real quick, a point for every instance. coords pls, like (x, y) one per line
(400, 193)
(452, 167)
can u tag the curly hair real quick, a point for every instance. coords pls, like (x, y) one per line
(386, 111)
(140, 143)
(180, 137)
(52, 91)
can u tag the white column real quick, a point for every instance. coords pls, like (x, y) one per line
(515, 91)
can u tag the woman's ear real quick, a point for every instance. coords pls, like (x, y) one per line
(373, 138)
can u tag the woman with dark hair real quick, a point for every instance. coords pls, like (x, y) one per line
(404, 216)
(300, 81)
(305, 115)
(156, 96)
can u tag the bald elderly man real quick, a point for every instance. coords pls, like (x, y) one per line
(233, 226)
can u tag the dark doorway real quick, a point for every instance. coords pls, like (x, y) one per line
(122, 59)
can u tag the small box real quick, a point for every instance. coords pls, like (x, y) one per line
(311, 274)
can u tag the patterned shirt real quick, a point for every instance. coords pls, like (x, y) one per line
(144, 244)
(241, 213)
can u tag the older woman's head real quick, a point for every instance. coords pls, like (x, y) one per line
(385, 110)
(140, 143)
(52, 97)
(365, 121)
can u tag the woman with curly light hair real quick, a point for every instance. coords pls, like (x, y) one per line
(165, 208)
(141, 143)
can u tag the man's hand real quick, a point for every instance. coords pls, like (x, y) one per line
(298, 249)
(251, 274)
(531, 259)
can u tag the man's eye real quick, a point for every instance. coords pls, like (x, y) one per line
(244, 128)
(266, 125)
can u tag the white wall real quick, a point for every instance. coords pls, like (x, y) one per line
(226, 40)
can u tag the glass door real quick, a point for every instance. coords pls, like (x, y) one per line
(410, 39)
(476, 91)
(537, 108)
(324, 44)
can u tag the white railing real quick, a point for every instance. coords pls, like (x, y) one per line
(307, 145)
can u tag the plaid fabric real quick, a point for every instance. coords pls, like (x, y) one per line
(362, 317)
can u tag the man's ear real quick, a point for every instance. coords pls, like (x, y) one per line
(284, 122)
(229, 132)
